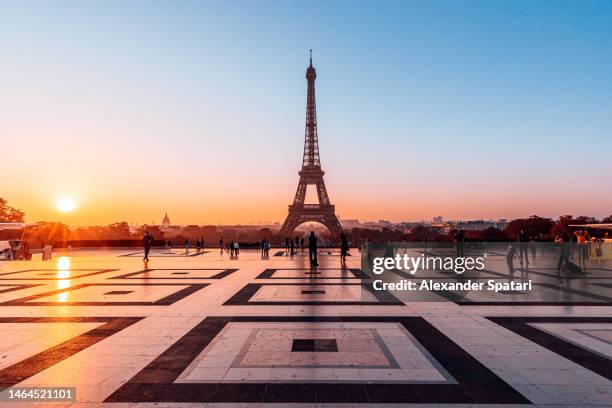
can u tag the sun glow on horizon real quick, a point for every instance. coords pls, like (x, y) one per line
(65, 204)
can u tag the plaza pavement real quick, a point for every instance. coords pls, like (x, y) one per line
(207, 330)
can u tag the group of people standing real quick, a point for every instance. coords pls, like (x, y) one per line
(579, 245)
(265, 248)
(233, 247)
(291, 245)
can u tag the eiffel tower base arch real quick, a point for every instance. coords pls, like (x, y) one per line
(300, 214)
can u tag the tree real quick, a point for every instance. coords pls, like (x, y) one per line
(420, 233)
(607, 219)
(584, 219)
(154, 230)
(47, 233)
(10, 214)
(534, 226)
(492, 234)
(192, 232)
(118, 230)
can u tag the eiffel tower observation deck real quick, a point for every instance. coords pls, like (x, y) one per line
(311, 174)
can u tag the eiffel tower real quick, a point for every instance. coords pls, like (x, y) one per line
(311, 173)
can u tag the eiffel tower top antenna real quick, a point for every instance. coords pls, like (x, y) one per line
(311, 138)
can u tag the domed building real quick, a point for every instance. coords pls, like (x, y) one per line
(166, 221)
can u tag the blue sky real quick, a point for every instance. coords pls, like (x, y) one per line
(465, 109)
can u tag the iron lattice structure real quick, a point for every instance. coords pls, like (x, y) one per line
(311, 174)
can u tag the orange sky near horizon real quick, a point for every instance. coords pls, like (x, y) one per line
(241, 206)
(136, 108)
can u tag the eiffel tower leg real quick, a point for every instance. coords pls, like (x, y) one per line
(291, 222)
(333, 225)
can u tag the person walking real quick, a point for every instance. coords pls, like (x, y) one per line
(459, 243)
(231, 248)
(302, 243)
(510, 255)
(532, 246)
(147, 242)
(523, 242)
(582, 237)
(312, 249)
(344, 247)
(221, 245)
(187, 246)
(236, 248)
(565, 249)
(286, 245)
(292, 246)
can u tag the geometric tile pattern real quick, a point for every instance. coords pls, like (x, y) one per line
(51, 274)
(251, 330)
(12, 374)
(583, 340)
(97, 294)
(278, 294)
(163, 382)
(319, 273)
(200, 273)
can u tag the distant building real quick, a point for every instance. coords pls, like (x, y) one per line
(385, 223)
(166, 221)
(350, 224)
(474, 225)
(438, 220)
(501, 224)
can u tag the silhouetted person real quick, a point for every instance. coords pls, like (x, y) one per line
(523, 243)
(292, 246)
(286, 245)
(187, 246)
(221, 244)
(302, 243)
(510, 255)
(344, 247)
(582, 238)
(236, 248)
(231, 248)
(561, 239)
(312, 249)
(532, 246)
(572, 246)
(147, 241)
(459, 242)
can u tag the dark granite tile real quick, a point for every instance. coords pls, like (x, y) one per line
(168, 300)
(579, 355)
(32, 365)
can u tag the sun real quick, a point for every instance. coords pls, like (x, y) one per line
(65, 204)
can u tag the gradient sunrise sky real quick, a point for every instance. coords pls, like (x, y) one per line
(475, 109)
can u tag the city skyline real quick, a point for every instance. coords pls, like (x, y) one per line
(424, 109)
